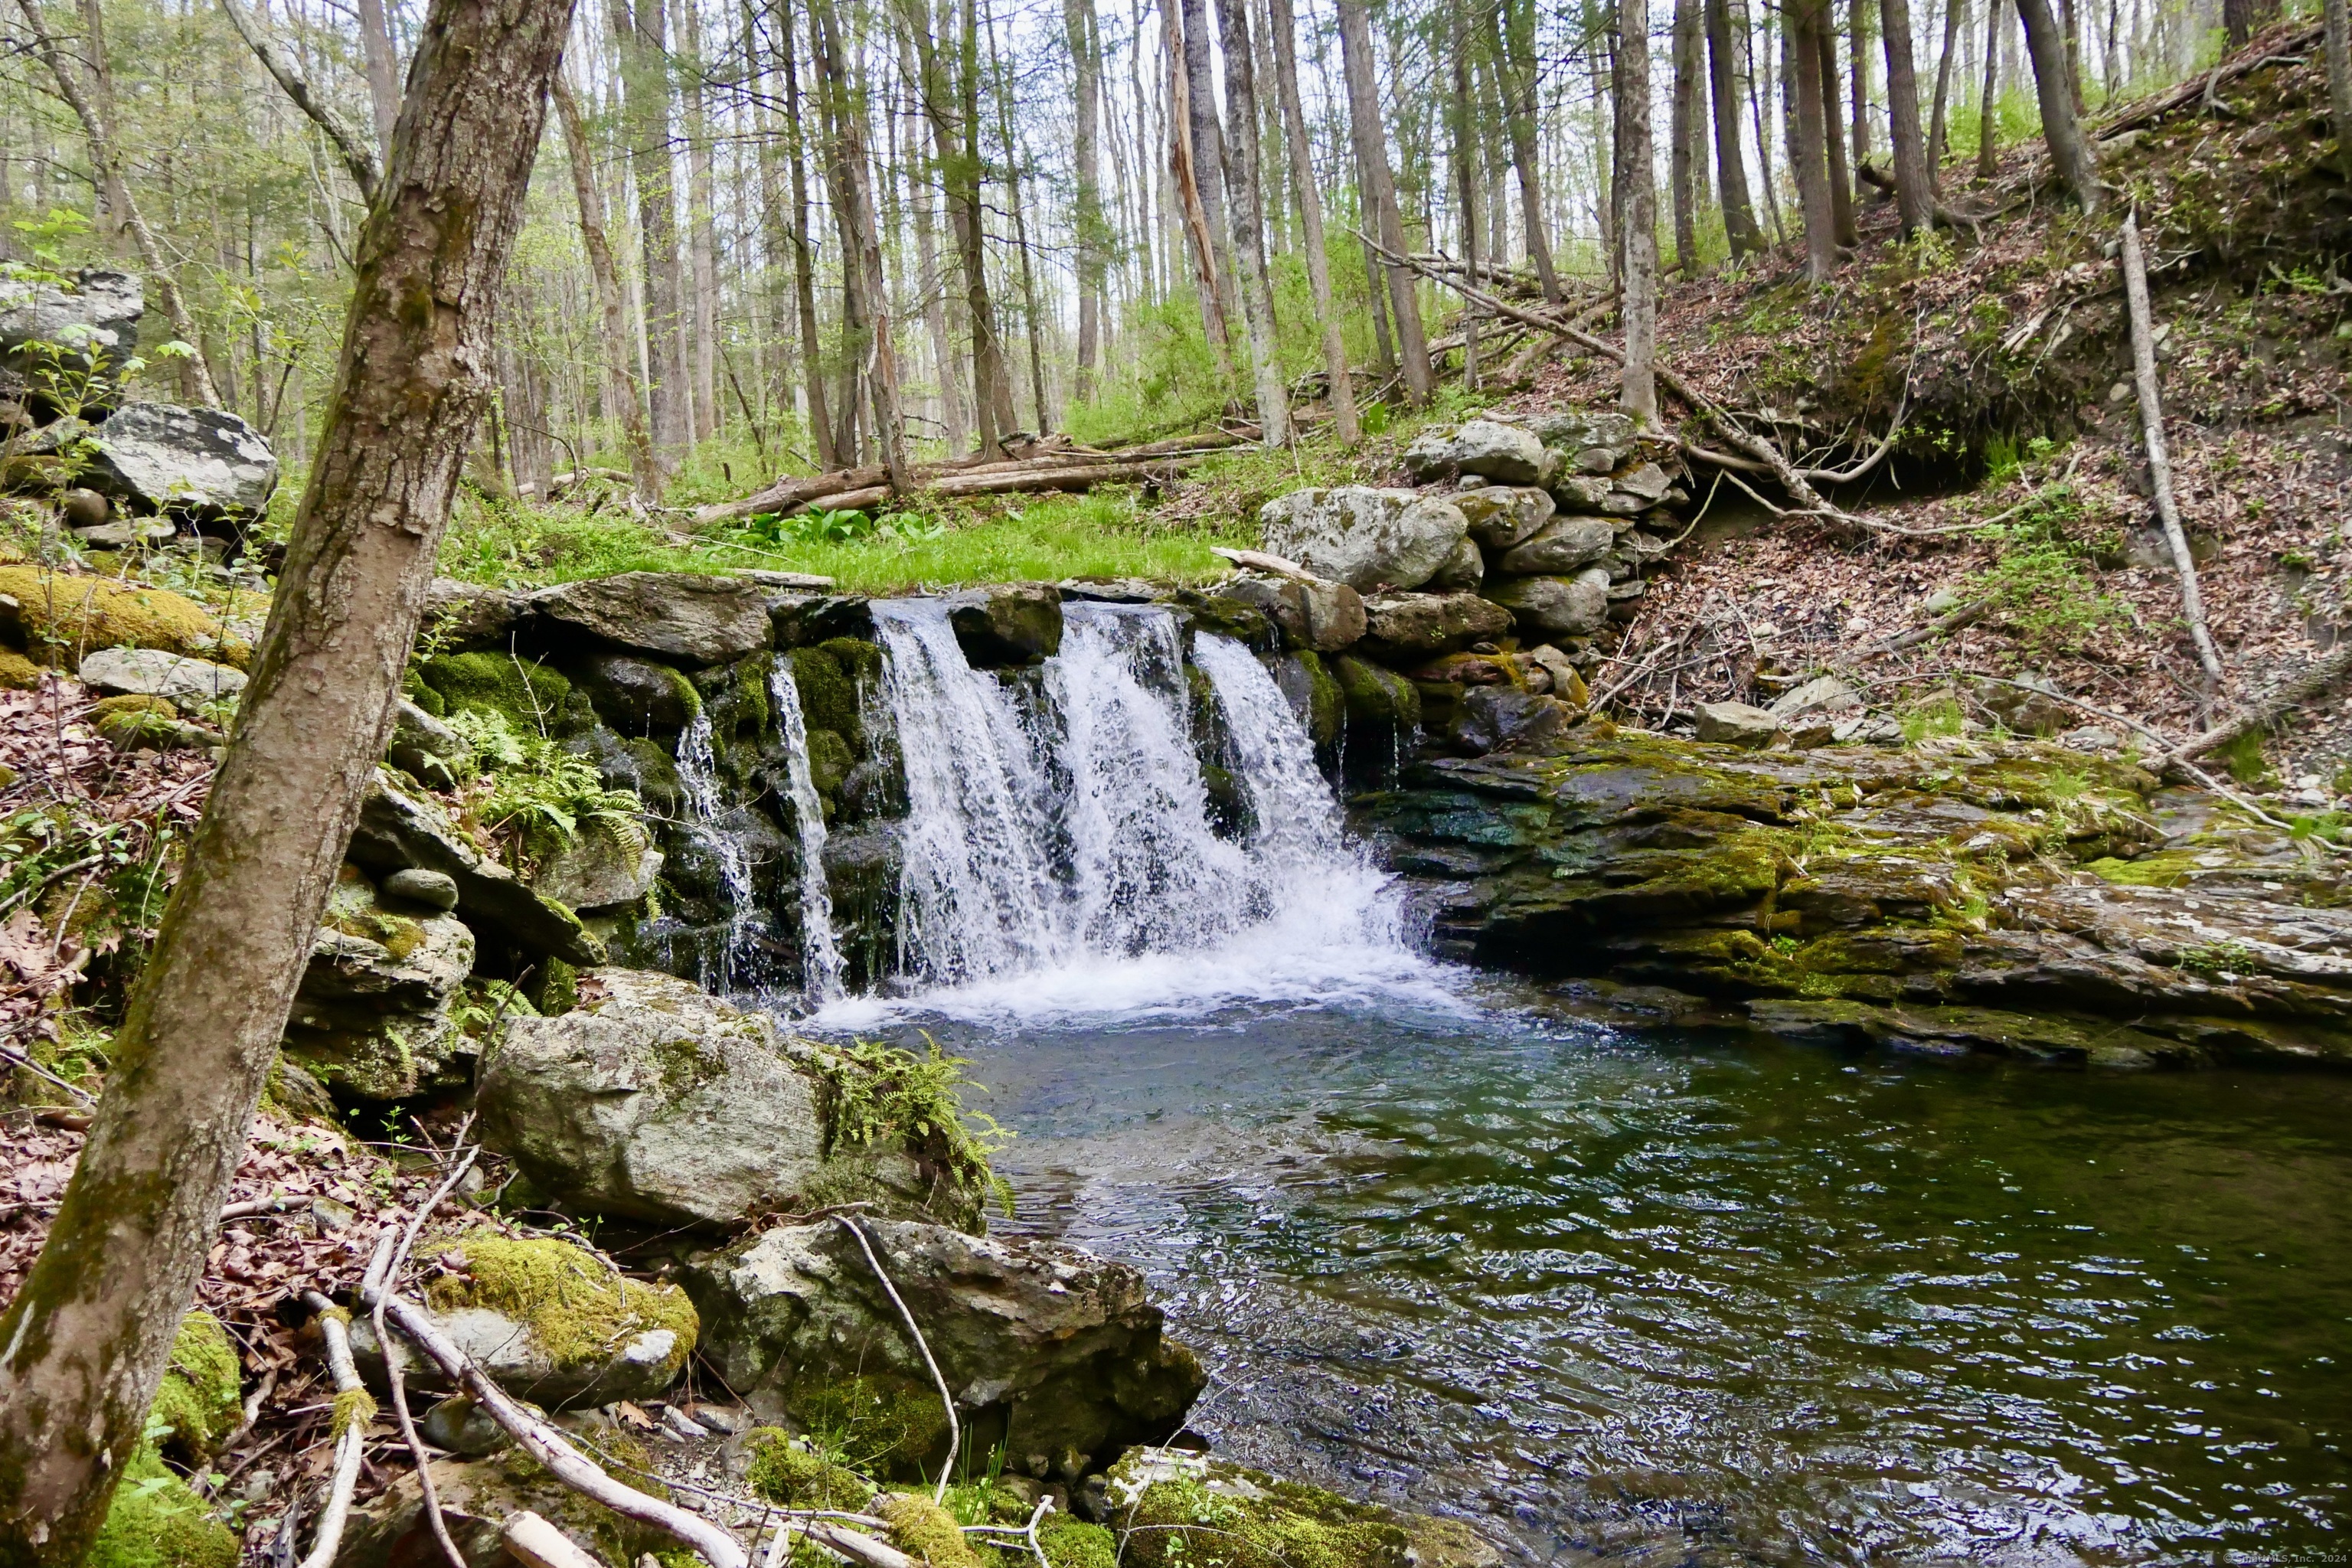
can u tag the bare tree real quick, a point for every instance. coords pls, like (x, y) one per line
(851, 176)
(612, 312)
(1514, 29)
(1639, 387)
(1183, 168)
(1370, 140)
(1987, 108)
(383, 72)
(90, 1331)
(1310, 221)
(642, 37)
(1937, 145)
(2054, 89)
(1810, 137)
(2339, 80)
(1914, 193)
(821, 436)
(1731, 173)
(1833, 142)
(1246, 207)
(1206, 132)
(1682, 156)
(1086, 64)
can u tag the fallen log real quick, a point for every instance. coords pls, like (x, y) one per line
(2313, 683)
(2257, 53)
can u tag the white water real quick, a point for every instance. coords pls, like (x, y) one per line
(1061, 864)
(697, 776)
(820, 950)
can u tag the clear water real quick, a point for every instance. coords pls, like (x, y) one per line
(1681, 1303)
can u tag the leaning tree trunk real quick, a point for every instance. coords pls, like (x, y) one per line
(90, 1331)
(2339, 80)
(1638, 392)
(2054, 89)
(1310, 221)
(1915, 195)
(1519, 75)
(1730, 164)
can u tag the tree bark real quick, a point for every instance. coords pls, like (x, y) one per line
(1243, 189)
(1464, 157)
(383, 72)
(1031, 318)
(702, 222)
(2159, 456)
(1342, 394)
(1937, 130)
(1373, 159)
(828, 450)
(612, 315)
(2339, 80)
(1841, 176)
(1758, 84)
(1988, 112)
(1858, 71)
(1811, 139)
(1184, 172)
(1682, 154)
(1731, 173)
(1915, 193)
(642, 34)
(1515, 28)
(1638, 389)
(1205, 131)
(89, 1334)
(874, 355)
(1085, 63)
(2054, 89)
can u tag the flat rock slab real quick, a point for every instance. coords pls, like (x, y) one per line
(677, 614)
(186, 683)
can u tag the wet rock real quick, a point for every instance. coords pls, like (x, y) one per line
(371, 1017)
(1411, 625)
(1566, 682)
(1321, 616)
(636, 696)
(608, 863)
(186, 683)
(1064, 1341)
(1736, 724)
(805, 622)
(697, 619)
(204, 462)
(397, 831)
(1503, 453)
(1018, 623)
(47, 330)
(1366, 538)
(1498, 718)
(1463, 574)
(1556, 607)
(1377, 698)
(1503, 515)
(1561, 547)
(1312, 695)
(465, 615)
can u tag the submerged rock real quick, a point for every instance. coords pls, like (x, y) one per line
(1063, 1342)
(1364, 537)
(1175, 1509)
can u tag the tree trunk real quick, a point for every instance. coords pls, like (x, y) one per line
(93, 106)
(829, 455)
(642, 38)
(933, 278)
(1841, 177)
(1759, 89)
(1682, 153)
(1464, 157)
(1937, 132)
(612, 315)
(1372, 159)
(1515, 27)
(1731, 173)
(2054, 89)
(1914, 191)
(2160, 459)
(702, 236)
(1183, 168)
(1031, 318)
(1638, 392)
(383, 73)
(1811, 139)
(1244, 190)
(1086, 61)
(873, 355)
(1310, 221)
(1987, 109)
(2339, 80)
(1206, 130)
(90, 1331)
(1858, 71)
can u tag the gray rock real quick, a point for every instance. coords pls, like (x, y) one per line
(370, 1019)
(655, 1101)
(1502, 515)
(1822, 694)
(1553, 608)
(1580, 492)
(122, 533)
(1647, 484)
(1364, 537)
(186, 683)
(1498, 718)
(636, 696)
(431, 888)
(422, 747)
(1463, 574)
(1064, 1341)
(1503, 453)
(1566, 681)
(203, 461)
(477, 1496)
(677, 614)
(94, 324)
(607, 864)
(84, 509)
(1324, 616)
(465, 615)
(1565, 544)
(1422, 623)
(1575, 430)
(2092, 738)
(1016, 623)
(397, 831)
(1737, 724)
(1596, 461)
(2038, 711)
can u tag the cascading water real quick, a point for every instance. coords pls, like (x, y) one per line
(697, 779)
(820, 949)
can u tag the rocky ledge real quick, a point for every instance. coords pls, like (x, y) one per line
(1958, 896)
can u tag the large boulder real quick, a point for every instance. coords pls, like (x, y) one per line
(1564, 545)
(186, 683)
(465, 615)
(397, 831)
(1464, 572)
(1503, 515)
(1506, 454)
(1581, 430)
(1324, 616)
(61, 617)
(371, 1018)
(1404, 624)
(551, 1323)
(676, 615)
(93, 325)
(1018, 623)
(1064, 1343)
(206, 462)
(1552, 607)
(1364, 537)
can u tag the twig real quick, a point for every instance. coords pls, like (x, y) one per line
(18, 1056)
(334, 1326)
(59, 875)
(396, 1381)
(955, 1428)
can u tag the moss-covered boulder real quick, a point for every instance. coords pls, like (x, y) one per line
(371, 1019)
(1314, 696)
(553, 1323)
(65, 617)
(531, 697)
(783, 1470)
(1378, 698)
(1171, 1508)
(156, 1521)
(398, 830)
(1064, 1343)
(200, 1398)
(637, 696)
(1016, 623)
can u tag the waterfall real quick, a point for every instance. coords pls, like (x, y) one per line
(820, 952)
(697, 777)
(1295, 819)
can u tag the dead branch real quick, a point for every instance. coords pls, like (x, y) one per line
(347, 146)
(2314, 682)
(955, 1428)
(395, 1381)
(2196, 90)
(2159, 461)
(1259, 561)
(357, 1409)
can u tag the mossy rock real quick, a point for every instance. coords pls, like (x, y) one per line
(1176, 1509)
(828, 694)
(830, 761)
(156, 1521)
(780, 1470)
(532, 699)
(199, 1399)
(921, 1528)
(67, 615)
(590, 1331)
(881, 1422)
(18, 673)
(859, 658)
(1314, 695)
(1376, 697)
(1074, 1544)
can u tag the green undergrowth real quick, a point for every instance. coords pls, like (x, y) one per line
(878, 1093)
(791, 1475)
(198, 1404)
(581, 1312)
(156, 1521)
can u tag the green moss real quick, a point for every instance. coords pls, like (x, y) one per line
(199, 1396)
(1231, 1518)
(579, 1310)
(18, 673)
(830, 759)
(881, 1422)
(413, 687)
(67, 615)
(860, 661)
(132, 702)
(828, 697)
(792, 1477)
(530, 698)
(1375, 696)
(921, 1528)
(155, 1522)
(558, 990)
(1074, 1544)
(2170, 869)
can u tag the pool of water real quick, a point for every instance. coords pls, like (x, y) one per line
(1682, 1302)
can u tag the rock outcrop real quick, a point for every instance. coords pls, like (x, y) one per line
(675, 614)
(1363, 537)
(398, 831)
(1063, 1343)
(371, 1019)
(205, 463)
